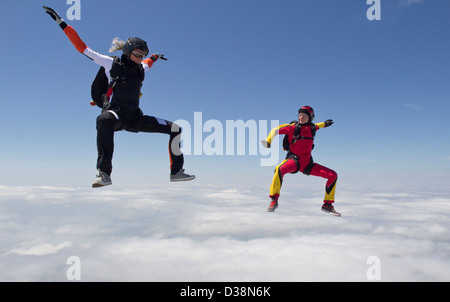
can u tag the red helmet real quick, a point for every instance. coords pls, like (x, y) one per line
(309, 111)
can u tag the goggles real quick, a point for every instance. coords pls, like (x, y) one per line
(138, 54)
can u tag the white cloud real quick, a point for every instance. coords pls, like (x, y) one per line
(409, 2)
(218, 233)
(41, 249)
(413, 106)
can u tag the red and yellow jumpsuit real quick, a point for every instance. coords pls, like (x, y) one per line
(299, 159)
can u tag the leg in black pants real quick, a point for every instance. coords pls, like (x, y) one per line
(151, 124)
(108, 122)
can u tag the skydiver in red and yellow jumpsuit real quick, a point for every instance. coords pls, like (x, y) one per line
(301, 137)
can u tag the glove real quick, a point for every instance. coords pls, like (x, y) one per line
(55, 16)
(157, 56)
(52, 13)
(328, 123)
(265, 144)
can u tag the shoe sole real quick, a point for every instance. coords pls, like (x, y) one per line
(272, 209)
(331, 213)
(182, 179)
(100, 185)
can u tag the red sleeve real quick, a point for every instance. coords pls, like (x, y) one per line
(74, 38)
(287, 129)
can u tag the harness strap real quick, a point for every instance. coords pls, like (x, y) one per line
(294, 157)
(300, 137)
(116, 73)
(110, 90)
(297, 131)
(307, 169)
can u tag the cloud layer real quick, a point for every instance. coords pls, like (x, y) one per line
(188, 232)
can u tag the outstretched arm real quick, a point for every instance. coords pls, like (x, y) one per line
(98, 58)
(327, 123)
(68, 30)
(73, 36)
(75, 39)
(282, 129)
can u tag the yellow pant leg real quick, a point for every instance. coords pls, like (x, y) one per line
(275, 187)
(329, 192)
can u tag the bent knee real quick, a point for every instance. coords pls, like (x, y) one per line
(332, 175)
(107, 116)
(175, 129)
(108, 120)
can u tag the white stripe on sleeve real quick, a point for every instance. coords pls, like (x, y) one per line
(102, 60)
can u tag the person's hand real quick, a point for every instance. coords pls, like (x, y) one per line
(55, 17)
(53, 14)
(328, 123)
(265, 144)
(157, 56)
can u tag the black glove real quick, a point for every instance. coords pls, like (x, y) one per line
(328, 123)
(52, 13)
(157, 56)
(55, 17)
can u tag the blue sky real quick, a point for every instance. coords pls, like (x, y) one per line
(385, 83)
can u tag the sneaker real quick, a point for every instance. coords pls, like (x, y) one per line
(102, 180)
(328, 208)
(181, 176)
(273, 205)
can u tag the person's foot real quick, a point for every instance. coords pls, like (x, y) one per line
(181, 176)
(273, 205)
(103, 179)
(328, 208)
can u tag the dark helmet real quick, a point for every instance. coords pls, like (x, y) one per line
(133, 43)
(309, 111)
